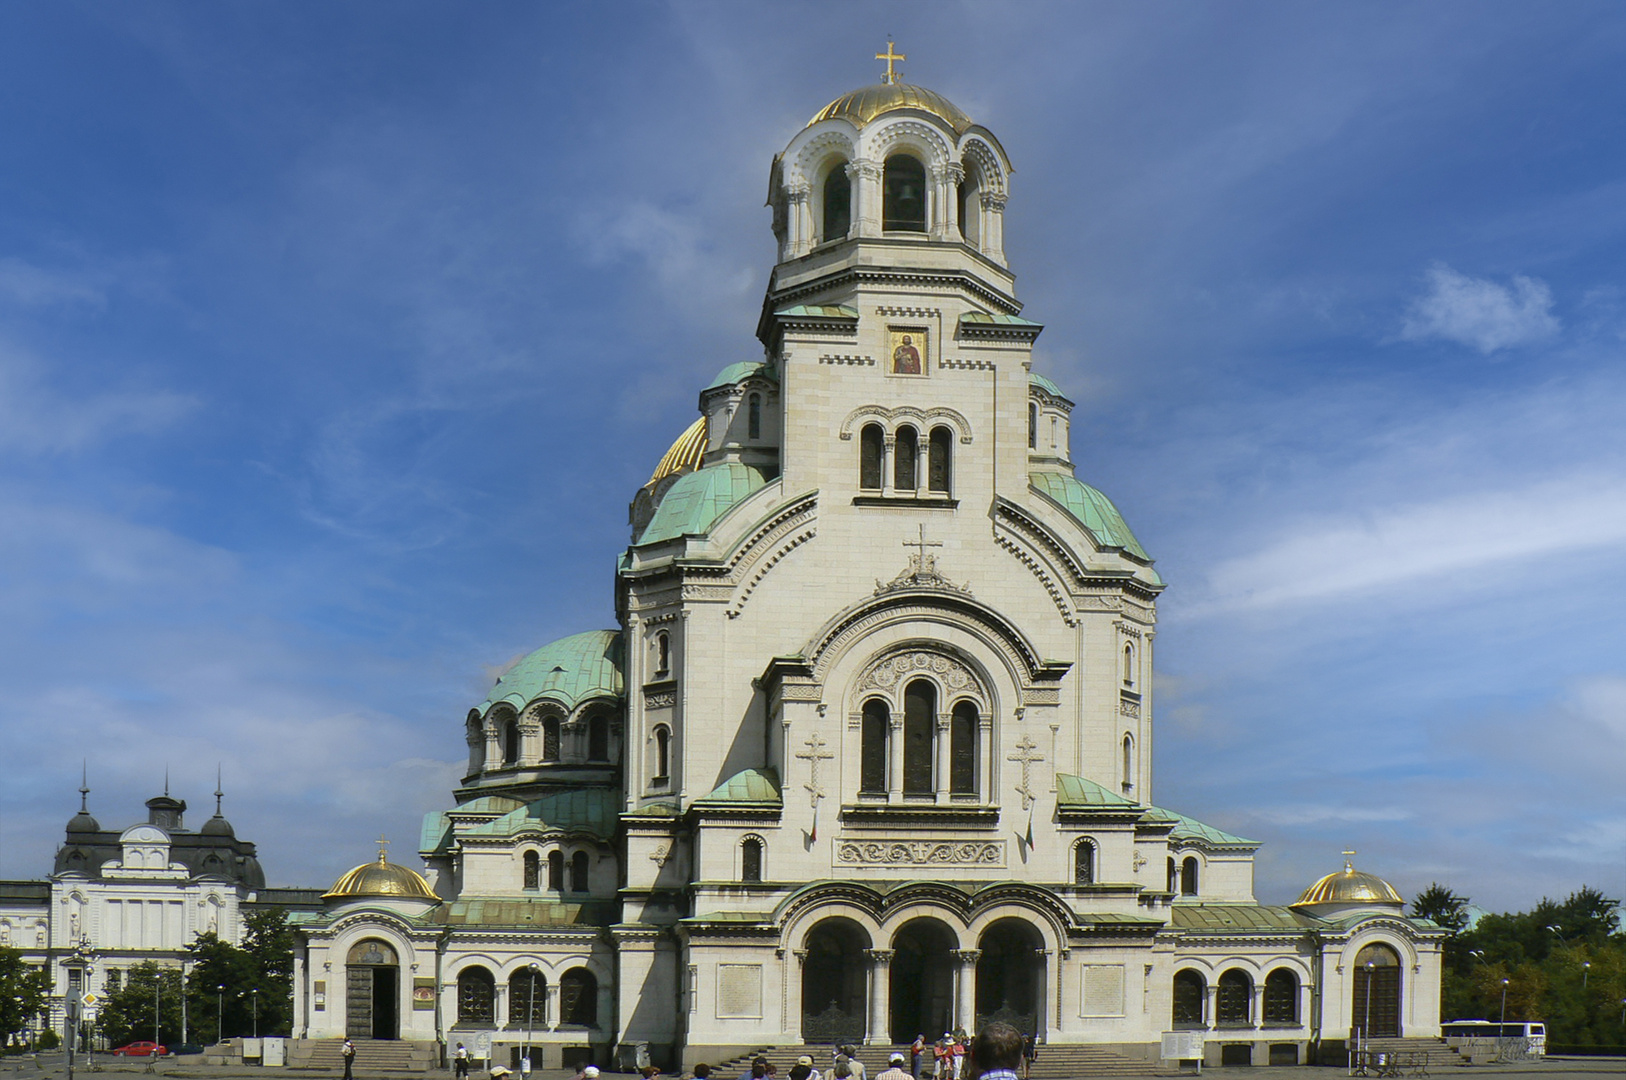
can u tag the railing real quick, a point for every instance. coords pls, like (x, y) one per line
(832, 1026)
(1388, 1062)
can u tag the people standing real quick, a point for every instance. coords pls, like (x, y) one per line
(859, 1072)
(996, 1052)
(1030, 1051)
(894, 1071)
(460, 1062)
(916, 1049)
(349, 1052)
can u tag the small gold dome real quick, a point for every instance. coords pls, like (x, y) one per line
(867, 102)
(1350, 886)
(382, 878)
(685, 454)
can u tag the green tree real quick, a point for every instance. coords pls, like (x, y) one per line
(149, 992)
(269, 941)
(22, 993)
(1441, 906)
(220, 1014)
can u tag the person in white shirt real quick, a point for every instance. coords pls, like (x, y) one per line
(896, 1071)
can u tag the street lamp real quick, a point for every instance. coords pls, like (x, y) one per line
(1366, 1017)
(256, 993)
(530, 1020)
(1501, 1029)
(220, 1013)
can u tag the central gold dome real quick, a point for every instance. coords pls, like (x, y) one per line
(867, 102)
(1350, 886)
(382, 878)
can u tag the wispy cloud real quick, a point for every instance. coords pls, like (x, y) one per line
(27, 285)
(1481, 313)
(36, 417)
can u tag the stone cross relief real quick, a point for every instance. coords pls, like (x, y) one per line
(816, 752)
(1027, 752)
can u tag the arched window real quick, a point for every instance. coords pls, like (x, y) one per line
(904, 451)
(1129, 665)
(1281, 997)
(1084, 863)
(533, 870)
(1189, 994)
(1233, 1000)
(1129, 762)
(556, 871)
(1033, 426)
(903, 200)
(578, 998)
(962, 205)
(919, 722)
(938, 460)
(663, 753)
(753, 417)
(578, 872)
(663, 653)
(1188, 876)
(550, 738)
(598, 739)
(871, 457)
(1174, 876)
(1055, 426)
(528, 998)
(476, 993)
(751, 860)
(510, 741)
(838, 201)
(963, 749)
(872, 754)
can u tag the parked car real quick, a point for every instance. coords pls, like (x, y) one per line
(186, 1048)
(141, 1049)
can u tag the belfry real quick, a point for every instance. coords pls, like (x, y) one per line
(869, 753)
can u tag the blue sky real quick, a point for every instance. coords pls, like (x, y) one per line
(335, 338)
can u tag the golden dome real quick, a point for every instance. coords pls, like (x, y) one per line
(685, 454)
(1350, 886)
(867, 102)
(382, 878)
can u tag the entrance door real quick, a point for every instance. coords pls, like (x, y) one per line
(1010, 972)
(922, 981)
(1377, 993)
(833, 983)
(386, 1003)
(358, 1002)
(372, 1001)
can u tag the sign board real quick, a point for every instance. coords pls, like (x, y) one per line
(481, 1046)
(90, 1001)
(276, 1053)
(1182, 1045)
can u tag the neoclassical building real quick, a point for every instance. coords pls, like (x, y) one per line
(869, 754)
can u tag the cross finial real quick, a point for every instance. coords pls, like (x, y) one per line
(382, 845)
(84, 786)
(1349, 860)
(218, 793)
(166, 781)
(891, 58)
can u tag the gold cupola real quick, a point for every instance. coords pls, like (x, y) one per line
(382, 879)
(1349, 887)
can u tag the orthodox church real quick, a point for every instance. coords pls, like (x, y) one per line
(869, 752)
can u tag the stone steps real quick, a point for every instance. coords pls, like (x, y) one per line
(372, 1055)
(1062, 1061)
(1437, 1053)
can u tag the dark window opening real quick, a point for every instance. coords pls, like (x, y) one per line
(476, 996)
(1188, 876)
(1189, 992)
(510, 742)
(556, 871)
(578, 872)
(663, 653)
(578, 998)
(533, 870)
(871, 457)
(1033, 426)
(904, 451)
(528, 999)
(663, 754)
(838, 199)
(550, 739)
(963, 749)
(1084, 863)
(919, 720)
(1174, 876)
(872, 763)
(938, 459)
(598, 739)
(751, 861)
(1281, 997)
(753, 415)
(903, 205)
(1233, 999)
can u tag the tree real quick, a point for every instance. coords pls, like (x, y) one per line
(149, 992)
(22, 993)
(1441, 906)
(220, 1014)
(269, 941)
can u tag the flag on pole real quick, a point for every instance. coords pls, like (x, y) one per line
(814, 836)
(1030, 827)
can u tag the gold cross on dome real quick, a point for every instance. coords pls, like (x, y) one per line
(1349, 859)
(382, 845)
(890, 57)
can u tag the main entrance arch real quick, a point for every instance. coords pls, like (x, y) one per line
(922, 989)
(372, 991)
(1010, 975)
(833, 982)
(1377, 993)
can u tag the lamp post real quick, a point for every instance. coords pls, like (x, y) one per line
(1502, 1024)
(157, 983)
(256, 994)
(220, 1013)
(1366, 1016)
(1586, 969)
(183, 1001)
(530, 1020)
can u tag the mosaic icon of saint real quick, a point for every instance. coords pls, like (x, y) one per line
(906, 358)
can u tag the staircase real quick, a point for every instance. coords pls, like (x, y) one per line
(1434, 1051)
(1055, 1061)
(373, 1056)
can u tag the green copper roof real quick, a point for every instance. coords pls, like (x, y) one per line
(982, 318)
(521, 911)
(819, 311)
(436, 833)
(699, 498)
(1229, 918)
(1190, 829)
(568, 671)
(749, 786)
(1090, 509)
(591, 810)
(735, 373)
(1035, 379)
(1075, 792)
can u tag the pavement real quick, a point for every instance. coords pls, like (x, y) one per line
(42, 1066)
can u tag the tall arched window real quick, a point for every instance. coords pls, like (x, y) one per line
(1033, 426)
(904, 452)
(528, 998)
(550, 738)
(1189, 993)
(663, 753)
(1174, 876)
(1234, 998)
(556, 871)
(1129, 665)
(476, 997)
(938, 461)
(919, 722)
(578, 872)
(838, 201)
(962, 205)
(578, 998)
(872, 755)
(903, 200)
(751, 860)
(871, 457)
(963, 749)
(1129, 762)
(533, 870)
(1084, 863)
(663, 654)
(1281, 997)
(753, 417)
(598, 739)
(510, 741)
(1188, 876)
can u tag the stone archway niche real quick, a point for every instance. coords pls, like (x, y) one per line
(922, 988)
(1010, 975)
(1376, 993)
(372, 1005)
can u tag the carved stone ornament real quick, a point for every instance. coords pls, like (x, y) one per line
(1130, 709)
(888, 672)
(920, 853)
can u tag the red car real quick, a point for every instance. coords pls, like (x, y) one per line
(141, 1049)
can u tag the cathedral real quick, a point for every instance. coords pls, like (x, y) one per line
(869, 753)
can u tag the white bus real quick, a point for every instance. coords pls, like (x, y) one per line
(1533, 1034)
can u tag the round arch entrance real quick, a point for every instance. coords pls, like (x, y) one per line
(833, 982)
(922, 986)
(1010, 975)
(1375, 1012)
(372, 985)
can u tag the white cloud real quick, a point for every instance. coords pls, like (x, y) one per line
(37, 418)
(1481, 313)
(28, 285)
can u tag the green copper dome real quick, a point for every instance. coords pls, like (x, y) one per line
(698, 499)
(1089, 508)
(738, 373)
(568, 671)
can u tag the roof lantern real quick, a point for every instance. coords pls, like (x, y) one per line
(1350, 886)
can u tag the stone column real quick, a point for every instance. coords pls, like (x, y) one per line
(880, 997)
(798, 1007)
(800, 220)
(965, 1005)
(889, 449)
(1211, 1005)
(894, 792)
(945, 187)
(550, 1005)
(1256, 1015)
(993, 224)
(866, 196)
(940, 758)
(985, 757)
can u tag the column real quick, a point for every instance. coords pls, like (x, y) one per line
(1211, 1005)
(550, 1004)
(798, 1007)
(940, 756)
(799, 219)
(1256, 1015)
(986, 786)
(889, 448)
(993, 222)
(894, 787)
(880, 997)
(965, 1006)
(866, 196)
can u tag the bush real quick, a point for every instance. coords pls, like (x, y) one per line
(48, 1040)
